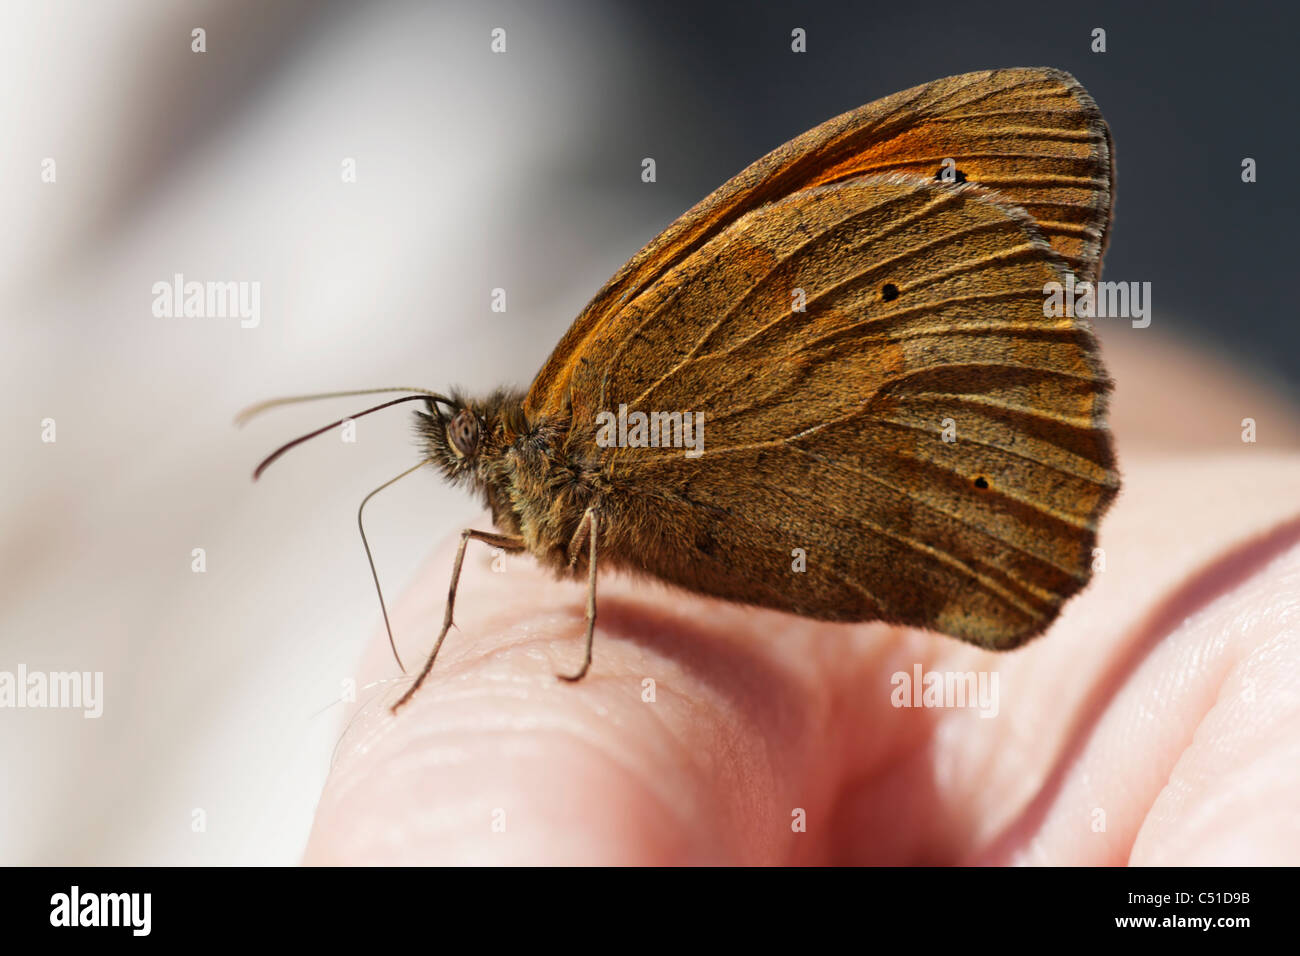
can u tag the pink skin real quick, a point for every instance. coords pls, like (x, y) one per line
(1157, 722)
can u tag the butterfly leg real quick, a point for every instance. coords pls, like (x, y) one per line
(588, 524)
(506, 543)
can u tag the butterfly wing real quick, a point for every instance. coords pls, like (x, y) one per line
(920, 435)
(893, 428)
(1032, 134)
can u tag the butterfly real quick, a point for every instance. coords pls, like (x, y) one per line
(896, 429)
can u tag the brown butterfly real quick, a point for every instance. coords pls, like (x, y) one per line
(857, 323)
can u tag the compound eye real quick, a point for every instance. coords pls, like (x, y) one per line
(462, 433)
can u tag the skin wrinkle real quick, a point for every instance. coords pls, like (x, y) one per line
(606, 750)
(716, 709)
(1217, 734)
(439, 824)
(540, 740)
(1221, 575)
(1202, 736)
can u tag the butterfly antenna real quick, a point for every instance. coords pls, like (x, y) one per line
(369, 557)
(257, 472)
(253, 410)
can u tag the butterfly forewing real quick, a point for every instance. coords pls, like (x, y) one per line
(1032, 134)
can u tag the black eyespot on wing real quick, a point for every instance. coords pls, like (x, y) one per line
(890, 292)
(981, 482)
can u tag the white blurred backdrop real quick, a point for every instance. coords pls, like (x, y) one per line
(227, 165)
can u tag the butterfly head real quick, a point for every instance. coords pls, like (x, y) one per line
(468, 438)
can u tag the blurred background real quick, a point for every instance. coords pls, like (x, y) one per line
(474, 170)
